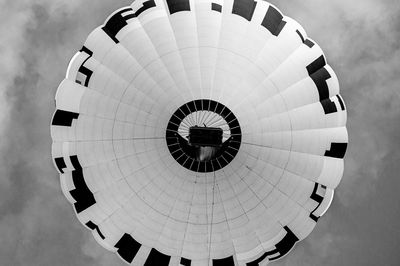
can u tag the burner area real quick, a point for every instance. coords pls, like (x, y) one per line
(208, 147)
(205, 136)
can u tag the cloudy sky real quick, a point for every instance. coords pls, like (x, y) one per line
(361, 39)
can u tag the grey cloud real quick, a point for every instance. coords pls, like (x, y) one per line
(361, 41)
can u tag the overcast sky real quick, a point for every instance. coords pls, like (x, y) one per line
(361, 39)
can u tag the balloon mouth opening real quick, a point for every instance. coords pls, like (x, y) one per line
(205, 148)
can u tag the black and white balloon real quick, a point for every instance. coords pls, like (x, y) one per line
(199, 132)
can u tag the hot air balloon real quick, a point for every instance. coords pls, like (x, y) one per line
(207, 132)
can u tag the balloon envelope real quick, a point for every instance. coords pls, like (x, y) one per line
(199, 133)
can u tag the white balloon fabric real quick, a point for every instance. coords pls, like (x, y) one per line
(199, 132)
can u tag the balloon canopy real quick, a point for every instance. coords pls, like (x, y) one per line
(199, 132)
